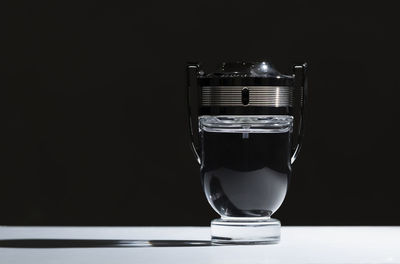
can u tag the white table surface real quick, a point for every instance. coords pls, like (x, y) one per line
(298, 245)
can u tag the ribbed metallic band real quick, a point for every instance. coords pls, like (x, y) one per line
(275, 96)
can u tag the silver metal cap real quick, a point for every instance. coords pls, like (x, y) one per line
(271, 96)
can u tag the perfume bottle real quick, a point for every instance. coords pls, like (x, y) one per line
(246, 143)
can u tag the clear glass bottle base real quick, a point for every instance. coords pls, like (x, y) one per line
(245, 231)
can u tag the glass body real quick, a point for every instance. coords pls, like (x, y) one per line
(245, 163)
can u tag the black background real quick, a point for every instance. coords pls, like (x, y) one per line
(93, 120)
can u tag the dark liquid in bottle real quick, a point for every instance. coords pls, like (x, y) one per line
(245, 174)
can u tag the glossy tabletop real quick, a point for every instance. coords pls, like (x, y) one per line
(191, 245)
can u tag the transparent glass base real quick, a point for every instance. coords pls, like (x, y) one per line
(245, 231)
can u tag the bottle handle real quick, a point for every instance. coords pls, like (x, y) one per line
(300, 69)
(192, 70)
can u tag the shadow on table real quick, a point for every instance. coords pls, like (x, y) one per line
(99, 243)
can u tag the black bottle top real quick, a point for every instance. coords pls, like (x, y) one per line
(245, 88)
(244, 74)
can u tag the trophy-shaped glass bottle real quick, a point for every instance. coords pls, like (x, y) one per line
(250, 123)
